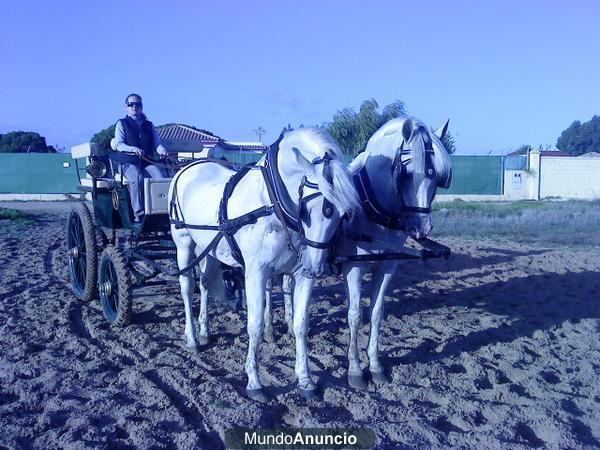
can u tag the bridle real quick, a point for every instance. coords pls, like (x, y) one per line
(327, 209)
(295, 216)
(399, 172)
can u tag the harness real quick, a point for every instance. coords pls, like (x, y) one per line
(282, 205)
(290, 214)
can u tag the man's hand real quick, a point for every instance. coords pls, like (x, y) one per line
(139, 151)
(162, 151)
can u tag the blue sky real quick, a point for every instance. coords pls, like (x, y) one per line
(506, 73)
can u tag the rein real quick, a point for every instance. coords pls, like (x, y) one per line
(180, 165)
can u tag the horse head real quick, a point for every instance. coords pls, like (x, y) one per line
(418, 165)
(319, 184)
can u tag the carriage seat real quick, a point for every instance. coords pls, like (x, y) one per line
(155, 190)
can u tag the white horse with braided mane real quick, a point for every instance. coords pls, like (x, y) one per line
(397, 174)
(313, 177)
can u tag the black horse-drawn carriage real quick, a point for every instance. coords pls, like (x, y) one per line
(108, 254)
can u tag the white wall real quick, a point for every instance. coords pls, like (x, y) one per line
(570, 177)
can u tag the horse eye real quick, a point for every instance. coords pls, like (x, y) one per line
(430, 171)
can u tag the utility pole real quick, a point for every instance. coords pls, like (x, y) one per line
(259, 132)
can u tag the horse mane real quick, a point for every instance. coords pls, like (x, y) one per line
(441, 160)
(313, 143)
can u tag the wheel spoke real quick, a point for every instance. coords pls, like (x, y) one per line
(80, 236)
(82, 268)
(77, 270)
(114, 291)
(76, 230)
(111, 273)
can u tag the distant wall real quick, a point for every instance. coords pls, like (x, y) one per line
(570, 177)
(37, 173)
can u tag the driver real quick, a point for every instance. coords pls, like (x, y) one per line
(137, 140)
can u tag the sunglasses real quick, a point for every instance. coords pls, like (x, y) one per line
(133, 104)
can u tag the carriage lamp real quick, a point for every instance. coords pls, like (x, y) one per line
(96, 169)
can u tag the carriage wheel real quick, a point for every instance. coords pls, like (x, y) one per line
(82, 253)
(114, 281)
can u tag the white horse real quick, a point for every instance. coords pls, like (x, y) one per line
(397, 175)
(314, 190)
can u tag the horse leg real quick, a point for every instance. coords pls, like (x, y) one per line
(185, 255)
(381, 280)
(255, 300)
(302, 295)
(268, 315)
(353, 276)
(206, 285)
(288, 286)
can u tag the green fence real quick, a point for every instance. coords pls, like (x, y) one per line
(476, 175)
(239, 157)
(54, 173)
(37, 173)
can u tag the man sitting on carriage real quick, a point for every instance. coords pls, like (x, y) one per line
(138, 145)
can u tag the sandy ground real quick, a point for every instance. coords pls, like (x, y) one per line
(497, 347)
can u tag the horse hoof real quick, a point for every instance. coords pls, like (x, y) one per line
(203, 340)
(357, 382)
(191, 347)
(380, 378)
(258, 395)
(309, 394)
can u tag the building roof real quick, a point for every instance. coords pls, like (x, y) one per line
(590, 155)
(554, 153)
(245, 145)
(174, 133)
(177, 132)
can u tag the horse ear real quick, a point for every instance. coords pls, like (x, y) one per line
(358, 162)
(407, 129)
(441, 132)
(302, 162)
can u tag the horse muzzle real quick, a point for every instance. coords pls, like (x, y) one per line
(315, 262)
(418, 226)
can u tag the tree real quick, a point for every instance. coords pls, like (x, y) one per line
(345, 130)
(580, 137)
(102, 140)
(393, 110)
(523, 149)
(352, 130)
(449, 143)
(24, 142)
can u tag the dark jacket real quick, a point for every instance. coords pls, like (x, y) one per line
(138, 137)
